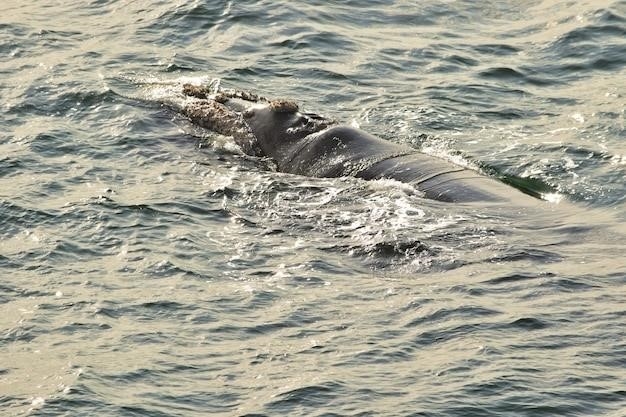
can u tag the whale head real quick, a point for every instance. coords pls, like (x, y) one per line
(278, 125)
(275, 127)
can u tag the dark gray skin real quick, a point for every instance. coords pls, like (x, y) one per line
(310, 145)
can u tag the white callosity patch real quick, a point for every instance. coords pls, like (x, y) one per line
(200, 99)
(218, 118)
(204, 107)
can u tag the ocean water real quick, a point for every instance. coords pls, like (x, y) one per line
(149, 268)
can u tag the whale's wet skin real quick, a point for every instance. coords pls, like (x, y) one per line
(312, 145)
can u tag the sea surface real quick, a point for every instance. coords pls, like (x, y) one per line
(149, 268)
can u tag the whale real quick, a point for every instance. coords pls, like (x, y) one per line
(313, 145)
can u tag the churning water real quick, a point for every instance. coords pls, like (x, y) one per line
(149, 268)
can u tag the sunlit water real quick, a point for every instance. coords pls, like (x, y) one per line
(151, 269)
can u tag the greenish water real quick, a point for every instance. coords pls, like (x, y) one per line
(151, 269)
